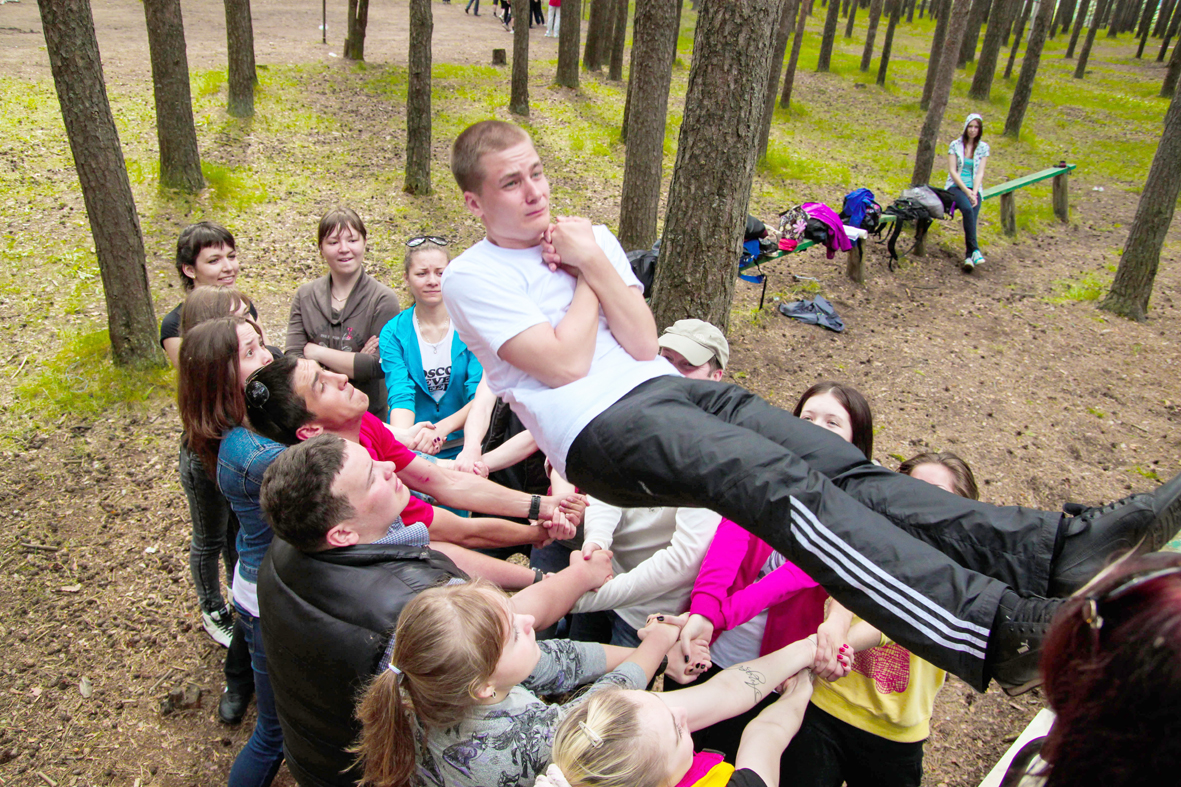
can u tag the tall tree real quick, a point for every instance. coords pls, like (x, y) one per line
(648, 84)
(1145, 24)
(789, 76)
(1169, 86)
(597, 35)
(924, 157)
(875, 18)
(1018, 37)
(710, 190)
(618, 41)
(1115, 17)
(937, 46)
(852, 18)
(568, 38)
(68, 26)
(830, 34)
(1084, 7)
(1080, 70)
(787, 16)
(998, 20)
(1033, 54)
(241, 72)
(418, 99)
(518, 102)
(888, 44)
(972, 33)
(1132, 287)
(358, 24)
(1162, 21)
(1170, 31)
(180, 160)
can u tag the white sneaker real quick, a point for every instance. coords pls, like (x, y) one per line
(968, 266)
(219, 625)
(977, 258)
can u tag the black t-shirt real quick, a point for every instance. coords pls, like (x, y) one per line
(170, 325)
(745, 778)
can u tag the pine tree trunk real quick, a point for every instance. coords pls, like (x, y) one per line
(910, 4)
(358, 24)
(787, 15)
(1162, 21)
(180, 159)
(677, 32)
(596, 35)
(618, 41)
(1169, 86)
(972, 34)
(1116, 18)
(852, 19)
(830, 34)
(648, 86)
(68, 26)
(1080, 70)
(627, 102)
(1170, 31)
(888, 44)
(1132, 287)
(1071, 7)
(936, 54)
(1024, 89)
(240, 40)
(1144, 33)
(986, 69)
(1018, 37)
(568, 39)
(1084, 7)
(710, 190)
(789, 75)
(418, 98)
(875, 18)
(518, 102)
(924, 157)
(1146, 22)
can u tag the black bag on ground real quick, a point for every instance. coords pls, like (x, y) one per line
(643, 264)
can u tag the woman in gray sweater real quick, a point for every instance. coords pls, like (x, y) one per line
(336, 319)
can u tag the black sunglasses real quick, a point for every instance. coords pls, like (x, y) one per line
(418, 240)
(1090, 609)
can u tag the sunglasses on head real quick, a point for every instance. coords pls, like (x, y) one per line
(418, 240)
(1090, 609)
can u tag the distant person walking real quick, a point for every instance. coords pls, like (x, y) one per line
(535, 14)
(467, 9)
(965, 181)
(555, 19)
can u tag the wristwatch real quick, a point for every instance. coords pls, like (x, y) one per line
(535, 507)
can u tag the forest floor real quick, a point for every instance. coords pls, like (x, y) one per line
(1013, 367)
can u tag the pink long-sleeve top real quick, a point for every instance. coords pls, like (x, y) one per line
(728, 591)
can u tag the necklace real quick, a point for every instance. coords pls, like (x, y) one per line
(433, 345)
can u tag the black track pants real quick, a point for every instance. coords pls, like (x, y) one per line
(874, 539)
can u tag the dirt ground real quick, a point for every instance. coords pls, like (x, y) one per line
(1049, 402)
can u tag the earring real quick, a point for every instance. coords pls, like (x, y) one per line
(493, 694)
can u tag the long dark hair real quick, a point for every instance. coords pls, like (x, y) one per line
(1112, 667)
(860, 416)
(209, 393)
(964, 137)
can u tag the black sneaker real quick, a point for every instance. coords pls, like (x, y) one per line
(219, 624)
(1015, 644)
(232, 707)
(1093, 539)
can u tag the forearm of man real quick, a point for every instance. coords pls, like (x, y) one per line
(469, 492)
(559, 355)
(482, 532)
(628, 316)
(551, 598)
(508, 576)
(337, 360)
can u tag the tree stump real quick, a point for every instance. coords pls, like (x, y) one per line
(1009, 213)
(499, 57)
(1062, 198)
(920, 238)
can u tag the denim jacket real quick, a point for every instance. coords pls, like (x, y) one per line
(243, 458)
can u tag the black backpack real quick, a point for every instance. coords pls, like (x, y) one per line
(905, 209)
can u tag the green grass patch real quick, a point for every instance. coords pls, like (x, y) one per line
(1087, 287)
(81, 380)
(233, 186)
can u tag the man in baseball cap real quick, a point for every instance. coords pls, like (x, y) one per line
(696, 348)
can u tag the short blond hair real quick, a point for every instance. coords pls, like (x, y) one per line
(601, 743)
(487, 136)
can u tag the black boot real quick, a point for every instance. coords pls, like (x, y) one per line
(1096, 537)
(1015, 645)
(232, 707)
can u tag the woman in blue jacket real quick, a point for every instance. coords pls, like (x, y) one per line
(430, 374)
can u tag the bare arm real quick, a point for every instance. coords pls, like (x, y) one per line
(337, 360)
(509, 576)
(454, 422)
(476, 426)
(471, 492)
(172, 350)
(953, 170)
(484, 532)
(515, 449)
(558, 355)
(552, 598)
(401, 419)
(767, 735)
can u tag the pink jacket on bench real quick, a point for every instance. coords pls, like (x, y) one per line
(728, 592)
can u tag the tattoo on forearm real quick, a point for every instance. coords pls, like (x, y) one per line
(754, 679)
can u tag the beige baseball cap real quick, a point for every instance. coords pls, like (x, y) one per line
(697, 340)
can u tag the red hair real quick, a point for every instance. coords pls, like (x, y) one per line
(1116, 688)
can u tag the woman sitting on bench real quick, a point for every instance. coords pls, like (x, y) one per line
(965, 181)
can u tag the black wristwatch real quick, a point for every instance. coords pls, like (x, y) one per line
(535, 507)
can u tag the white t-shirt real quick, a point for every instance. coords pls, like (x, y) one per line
(493, 294)
(436, 360)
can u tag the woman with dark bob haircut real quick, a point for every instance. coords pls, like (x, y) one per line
(839, 408)
(1112, 667)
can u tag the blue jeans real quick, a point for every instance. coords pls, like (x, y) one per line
(260, 758)
(622, 634)
(214, 529)
(963, 204)
(469, 5)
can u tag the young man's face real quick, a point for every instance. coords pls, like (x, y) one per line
(703, 372)
(331, 399)
(513, 200)
(373, 490)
